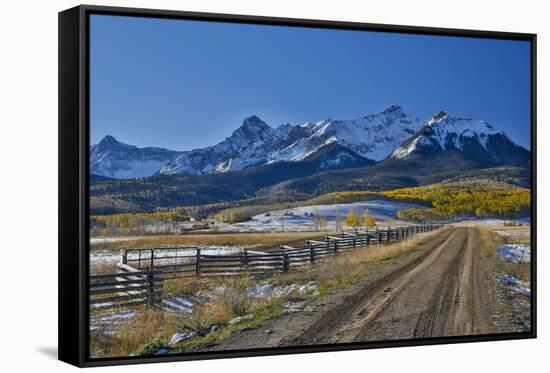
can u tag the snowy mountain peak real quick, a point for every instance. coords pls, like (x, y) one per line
(438, 117)
(445, 124)
(373, 136)
(473, 138)
(110, 143)
(392, 109)
(253, 129)
(114, 159)
(108, 140)
(254, 121)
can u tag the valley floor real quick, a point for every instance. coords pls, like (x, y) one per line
(303, 218)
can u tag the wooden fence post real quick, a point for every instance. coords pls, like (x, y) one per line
(311, 254)
(286, 261)
(152, 259)
(244, 259)
(150, 286)
(198, 263)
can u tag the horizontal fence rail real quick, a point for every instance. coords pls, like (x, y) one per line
(132, 288)
(192, 261)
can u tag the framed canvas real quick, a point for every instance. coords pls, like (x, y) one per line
(233, 186)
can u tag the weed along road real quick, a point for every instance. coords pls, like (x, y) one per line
(435, 291)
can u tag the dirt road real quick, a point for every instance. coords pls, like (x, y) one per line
(435, 295)
(434, 292)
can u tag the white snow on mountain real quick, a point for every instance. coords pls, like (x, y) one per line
(403, 151)
(445, 132)
(117, 160)
(391, 132)
(454, 129)
(374, 136)
(248, 145)
(254, 143)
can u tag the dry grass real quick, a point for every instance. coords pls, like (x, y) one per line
(351, 266)
(148, 325)
(518, 235)
(488, 240)
(222, 239)
(151, 329)
(185, 285)
(104, 268)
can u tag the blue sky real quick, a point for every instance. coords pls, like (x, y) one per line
(187, 84)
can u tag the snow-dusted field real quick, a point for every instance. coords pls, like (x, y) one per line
(101, 258)
(303, 218)
(295, 220)
(96, 240)
(515, 253)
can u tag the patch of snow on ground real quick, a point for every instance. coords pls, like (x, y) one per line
(178, 337)
(180, 304)
(96, 240)
(303, 218)
(100, 258)
(269, 291)
(515, 253)
(504, 233)
(518, 286)
(524, 221)
(107, 323)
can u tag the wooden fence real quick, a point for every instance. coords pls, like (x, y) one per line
(132, 288)
(191, 261)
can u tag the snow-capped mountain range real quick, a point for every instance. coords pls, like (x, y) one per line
(372, 137)
(390, 133)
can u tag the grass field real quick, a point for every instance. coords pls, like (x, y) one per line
(259, 240)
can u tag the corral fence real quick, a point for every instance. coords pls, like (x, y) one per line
(194, 261)
(132, 288)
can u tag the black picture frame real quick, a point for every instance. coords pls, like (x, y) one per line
(74, 180)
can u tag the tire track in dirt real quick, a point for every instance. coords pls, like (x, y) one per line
(455, 307)
(433, 321)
